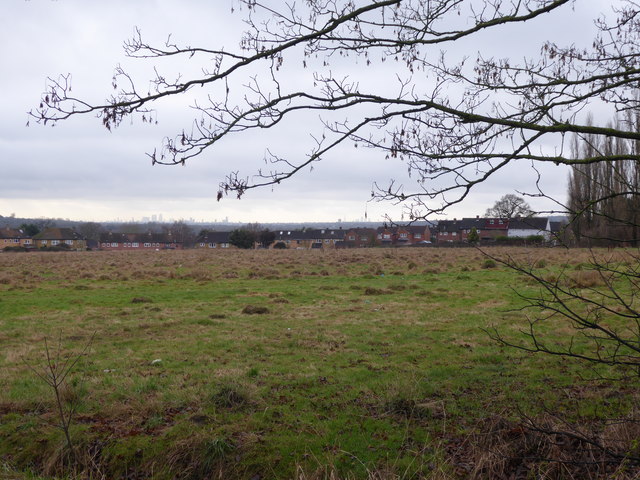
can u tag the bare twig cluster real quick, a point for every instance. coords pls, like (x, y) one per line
(600, 301)
(55, 374)
(453, 123)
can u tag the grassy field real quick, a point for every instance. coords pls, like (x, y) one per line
(277, 364)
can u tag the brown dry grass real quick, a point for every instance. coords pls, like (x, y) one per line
(493, 446)
(545, 448)
(38, 267)
(586, 279)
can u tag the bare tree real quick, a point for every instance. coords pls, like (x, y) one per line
(91, 230)
(55, 373)
(180, 232)
(509, 206)
(453, 125)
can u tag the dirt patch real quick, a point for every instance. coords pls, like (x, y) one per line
(255, 310)
(141, 300)
(376, 291)
(279, 300)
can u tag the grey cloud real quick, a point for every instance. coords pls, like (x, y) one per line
(81, 162)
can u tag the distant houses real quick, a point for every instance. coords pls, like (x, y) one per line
(11, 238)
(211, 240)
(309, 239)
(538, 230)
(530, 227)
(495, 229)
(457, 231)
(139, 241)
(361, 238)
(66, 238)
(353, 238)
(403, 236)
(50, 238)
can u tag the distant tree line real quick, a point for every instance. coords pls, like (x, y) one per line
(179, 230)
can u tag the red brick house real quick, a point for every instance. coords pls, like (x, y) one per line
(457, 231)
(493, 228)
(413, 235)
(360, 238)
(385, 236)
(403, 235)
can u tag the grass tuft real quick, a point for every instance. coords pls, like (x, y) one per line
(255, 310)
(231, 395)
(489, 263)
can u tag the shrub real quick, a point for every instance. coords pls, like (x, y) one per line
(15, 249)
(473, 236)
(535, 239)
(489, 263)
(242, 238)
(62, 247)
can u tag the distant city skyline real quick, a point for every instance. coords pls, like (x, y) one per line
(160, 218)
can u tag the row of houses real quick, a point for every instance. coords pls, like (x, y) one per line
(446, 232)
(296, 239)
(139, 241)
(490, 229)
(51, 237)
(310, 239)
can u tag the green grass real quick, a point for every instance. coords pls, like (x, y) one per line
(365, 361)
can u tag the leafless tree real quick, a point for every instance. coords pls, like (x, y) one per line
(454, 125)
(90, 230)
(180, 232)
(55, 373)
(509, 206)
(603, 197)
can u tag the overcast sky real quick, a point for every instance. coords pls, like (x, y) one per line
(81, 171)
